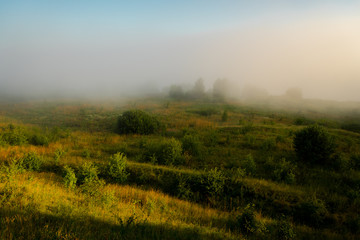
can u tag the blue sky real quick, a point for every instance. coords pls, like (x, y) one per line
(52, 45)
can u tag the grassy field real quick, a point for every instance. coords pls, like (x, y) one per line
(231, 172)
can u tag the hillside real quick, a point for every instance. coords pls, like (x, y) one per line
(212, 170)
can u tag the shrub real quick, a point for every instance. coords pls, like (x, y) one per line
(191, 144)
(14, 135)
(311, 212)
(31, 161)
(39, 140)
(284, 172)
(314, 144)
(59, 153)
(355, 161)
(89, 179)
(117, 167)
(247, 222)
(224, 116)
(137, 121)
(249, 165)
(165, 152)
(86, 153)
(184, 190)
(69, 177)
(285, 230)
(214, 182)
(88, 172)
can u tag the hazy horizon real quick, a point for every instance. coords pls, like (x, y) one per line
(111, 48)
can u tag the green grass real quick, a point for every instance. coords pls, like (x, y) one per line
(172, 201)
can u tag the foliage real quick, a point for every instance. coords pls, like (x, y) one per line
(224, 116)
(311, 212)
(32, 161)
(284, 172)
(69, 177)
(139, 122)
(247, 222)
(164, 152)
(191, 144)
(214, 181)
(89, 180)
(314, 144)
(285, 230)
(39, 140)
(117, 167)
(13, 135)
(249, 165)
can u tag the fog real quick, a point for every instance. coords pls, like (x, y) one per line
(315, 48)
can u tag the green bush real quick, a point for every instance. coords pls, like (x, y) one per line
(354, 162)
(247, 222)
(89, 180)
(164, 152)
(39, 140)
(224, 116)
(13, 135)
(214, 181)
(285, 230)
(88, 172)
(31, 161)
(284, 172)
(249, 165)
(69, 177)
(314, 144)
(138, 122)
(117, 167)
(191, 144)
(311, 212)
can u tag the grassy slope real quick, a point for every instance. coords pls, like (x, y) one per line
(37, 205)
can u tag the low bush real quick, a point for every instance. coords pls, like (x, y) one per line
(311, 212)
(285, 230)
(39, 140)
(191, 144)
(164, 152)
(214, 181)
(138, 122)
(246, 222)
(314, 144)
(249, 165)
(284, 172)
(117, 167)
(31, 161)
(89, 180)
(13, 135)
(69, 177)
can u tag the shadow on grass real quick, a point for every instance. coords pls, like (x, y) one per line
(35, 225)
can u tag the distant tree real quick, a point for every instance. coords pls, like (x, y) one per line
(314, 144)
(294, 93)
(137, 121)
(198, 90)
(221, 89)
(176, 92)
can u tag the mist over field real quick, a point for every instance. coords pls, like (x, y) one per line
(110, 49)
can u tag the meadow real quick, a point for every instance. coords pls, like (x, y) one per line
(209, 170)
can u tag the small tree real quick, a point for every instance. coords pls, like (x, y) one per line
(117, 167)
(314, 144)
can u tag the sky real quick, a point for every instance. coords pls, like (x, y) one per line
(110, 48)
